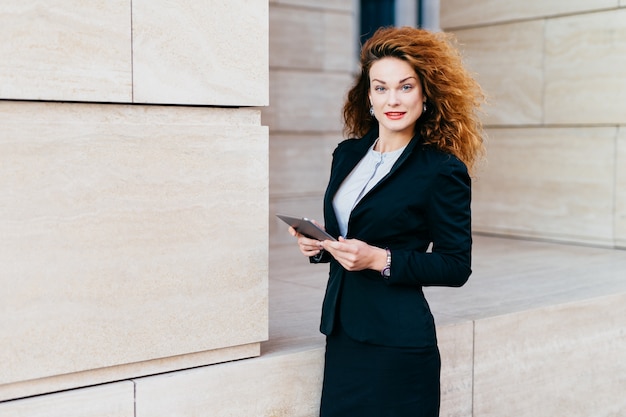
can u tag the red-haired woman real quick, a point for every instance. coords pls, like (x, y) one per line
(400, 185)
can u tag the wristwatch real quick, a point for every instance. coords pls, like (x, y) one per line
(386, 272)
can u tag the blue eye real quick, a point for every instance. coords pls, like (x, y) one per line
(407, 87)
(379, 88)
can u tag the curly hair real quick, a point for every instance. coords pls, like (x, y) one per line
(451, 122)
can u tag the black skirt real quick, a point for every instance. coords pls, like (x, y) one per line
(364, 380)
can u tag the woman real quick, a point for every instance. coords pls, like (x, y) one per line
(401, 186)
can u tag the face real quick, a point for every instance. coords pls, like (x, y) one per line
(396, 95)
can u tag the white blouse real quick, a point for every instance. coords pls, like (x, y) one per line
(367, 173)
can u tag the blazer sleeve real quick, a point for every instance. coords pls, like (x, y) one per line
(449, 222)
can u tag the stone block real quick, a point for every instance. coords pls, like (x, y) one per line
(300, 163)
(456, 346)
(311, 39)
(563, 360)
(110, 400)
(337, 5)
(508, 63)
(287, 385)
(550, 183)
(455, 13)
(296, 38)
(620, 191)
(66, 50)
(122, 230)
(339, 42)
(306, 101)
(210, 53)
(584, 77)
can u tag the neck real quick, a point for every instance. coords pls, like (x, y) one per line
(390, 143)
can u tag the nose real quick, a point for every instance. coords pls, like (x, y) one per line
(394, 99)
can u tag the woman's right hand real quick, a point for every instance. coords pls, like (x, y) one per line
(308, 247)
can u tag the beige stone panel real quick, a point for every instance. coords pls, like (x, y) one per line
(126, 371)
(585, 60)
(456, 346)
(552, 183)
(296, 38)
(272, 385)
(122, 239)
(299, 172)
(344, 5)
(112, 400)
(620, 190)
(65, 50)
(300, 163)
(456, 13)
(306, 101)
(563, 360)
(339, 42)
(507, 62)
(191, 52)
(311, 39)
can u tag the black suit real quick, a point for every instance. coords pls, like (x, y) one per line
(425, 198)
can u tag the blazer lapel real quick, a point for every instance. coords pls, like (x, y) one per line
(410, 147)
(350, 159)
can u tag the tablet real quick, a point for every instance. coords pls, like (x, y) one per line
(306, 227)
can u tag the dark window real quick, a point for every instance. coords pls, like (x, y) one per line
(375, 14)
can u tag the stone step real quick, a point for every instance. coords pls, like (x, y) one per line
(539, 330)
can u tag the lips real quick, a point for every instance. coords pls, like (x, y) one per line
(394, 115)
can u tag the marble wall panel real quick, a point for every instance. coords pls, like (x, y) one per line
(287, 385)
(68, 50)
(122, 230)
(548, 183)
(299, 172)
(344, 5)
(296, 38)
(507, 60)
(456, 13)
(120, 372)
(300, 164)
(341, 48)
(190, 52)
(584, 60)
(456, 346)
(111, 400)
(306, 101)
(563, 360)
(311, 39)
(620, 190)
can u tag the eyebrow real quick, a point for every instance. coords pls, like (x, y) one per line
(399, 82)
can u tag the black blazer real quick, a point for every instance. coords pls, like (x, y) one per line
(424, 199)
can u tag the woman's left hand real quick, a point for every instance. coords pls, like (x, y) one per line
(356, 255)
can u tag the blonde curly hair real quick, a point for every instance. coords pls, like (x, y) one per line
(453, 98)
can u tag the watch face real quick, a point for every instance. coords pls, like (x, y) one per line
(386, 272)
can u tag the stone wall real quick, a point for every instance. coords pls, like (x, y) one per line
(556, 120)
(312, 56)
(133, 190)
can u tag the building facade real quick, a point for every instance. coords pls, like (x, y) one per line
(139, 142)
